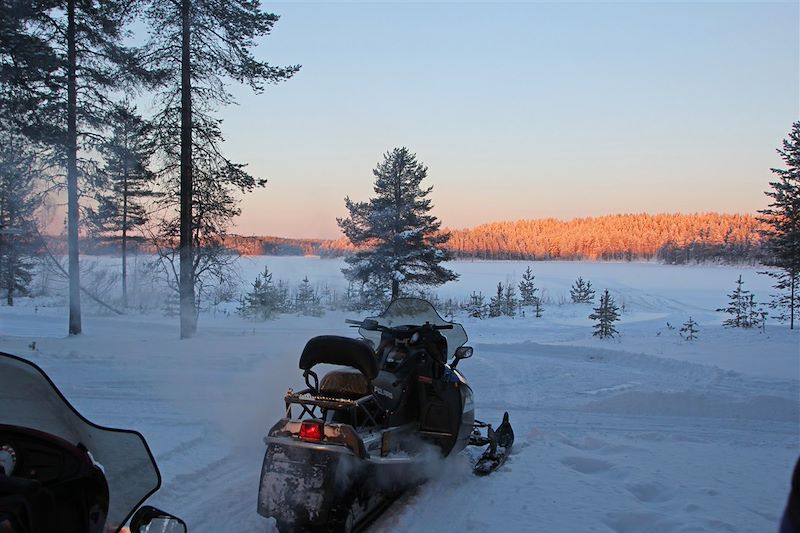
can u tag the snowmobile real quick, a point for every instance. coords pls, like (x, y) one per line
(390, 403)
(61, 472)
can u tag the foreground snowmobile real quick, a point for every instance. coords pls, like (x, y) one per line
(60, 472)
(359, 436)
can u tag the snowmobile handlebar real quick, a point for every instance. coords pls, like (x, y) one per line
(373, 325)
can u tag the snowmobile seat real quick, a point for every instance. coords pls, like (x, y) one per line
(343, 351)
(344, 384)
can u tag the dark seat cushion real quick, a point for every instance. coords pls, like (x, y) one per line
(345, 384)
(336, 350)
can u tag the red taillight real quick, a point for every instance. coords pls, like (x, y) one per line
(310, 430)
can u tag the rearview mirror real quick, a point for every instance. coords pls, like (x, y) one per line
(369, 324)
(464, 352)
(151, 520)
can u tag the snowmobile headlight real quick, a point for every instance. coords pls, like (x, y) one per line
(311, 430)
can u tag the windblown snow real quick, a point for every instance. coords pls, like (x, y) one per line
(646, 432)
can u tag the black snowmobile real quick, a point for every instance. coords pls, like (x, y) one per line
(61, 472)
(355, 439)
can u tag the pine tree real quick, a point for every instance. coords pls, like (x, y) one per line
(476, 307)
(605, 314)
(307, 301)
(756, 315)
(581, 291)
(86, 63)
(127, 182)
(398, 242)
(198, 46)
(510, 301)
(527, 289)
(783, 229)
(537, 307)
(264, 299)
(497, 303)
(737, 307)
(689, 330)
(20, 173)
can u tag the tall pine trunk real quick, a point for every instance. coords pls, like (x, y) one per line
(7, 208)
(792, 297)
(125, 235)
(72, 175)
(398, 204)
(10, 285)
(186, 283)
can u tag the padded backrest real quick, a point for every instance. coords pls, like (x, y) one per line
(336, 350)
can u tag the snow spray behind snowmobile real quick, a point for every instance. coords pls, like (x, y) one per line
(358, 437)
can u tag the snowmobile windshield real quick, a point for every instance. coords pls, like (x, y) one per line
(29, 399)
(416, 312)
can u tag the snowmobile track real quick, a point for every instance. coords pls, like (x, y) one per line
(371, 517)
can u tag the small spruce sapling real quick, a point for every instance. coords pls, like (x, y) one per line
(605, 314)
(264, 299)
(581, 292)
(307, 301)
(689, 330)
(510, 301)
(742, 308)
(496, 304)
(527, 289)
(476, 307)
(537, 306)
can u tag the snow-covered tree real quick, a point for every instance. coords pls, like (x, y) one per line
(756, 316)
(398, 242)
(786, 300)
(581, 291)
(689, 330)
(527, 289)
(497, 303)
(265, 299)
(538, 309)
(307, 301)
(126, 182)
(19, 199)
(199, 47)
(783, 229)
(476, 307)
(510, 301)
(740, 302)
(605, 314)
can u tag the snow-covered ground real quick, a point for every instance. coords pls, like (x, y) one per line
(646, 432)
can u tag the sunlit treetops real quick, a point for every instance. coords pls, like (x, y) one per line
(671, 237)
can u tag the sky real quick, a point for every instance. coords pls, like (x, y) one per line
(519, 110)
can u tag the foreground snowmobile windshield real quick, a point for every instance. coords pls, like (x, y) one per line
(29, 399)
(416, 312)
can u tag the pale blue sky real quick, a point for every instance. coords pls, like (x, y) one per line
(520, 110)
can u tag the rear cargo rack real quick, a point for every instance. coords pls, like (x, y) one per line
(314, 405)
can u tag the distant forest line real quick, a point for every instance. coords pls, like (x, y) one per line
(670, 238)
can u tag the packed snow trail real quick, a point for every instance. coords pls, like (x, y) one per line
(580, 466)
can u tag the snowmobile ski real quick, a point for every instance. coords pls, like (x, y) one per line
(500, 442)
